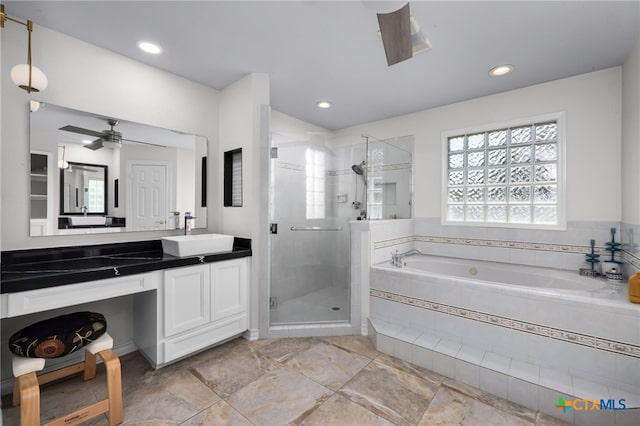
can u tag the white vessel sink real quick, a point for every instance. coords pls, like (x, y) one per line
(194, 245)
(87, 220)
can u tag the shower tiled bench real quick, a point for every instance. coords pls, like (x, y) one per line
(533, 386)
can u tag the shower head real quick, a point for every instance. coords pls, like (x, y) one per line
(358, 168)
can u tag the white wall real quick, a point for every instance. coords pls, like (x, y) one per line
(631, 137)
(89, 78)
(592, 103)
(240, 125)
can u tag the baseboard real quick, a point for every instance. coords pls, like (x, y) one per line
(251, 334)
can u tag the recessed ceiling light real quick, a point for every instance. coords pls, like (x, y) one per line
(324, 104)
(500, 70)
(147, 46)
(86, 141)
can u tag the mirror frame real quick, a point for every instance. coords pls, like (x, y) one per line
(106, 182)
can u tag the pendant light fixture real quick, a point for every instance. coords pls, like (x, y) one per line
(25, 76)
(63, 164)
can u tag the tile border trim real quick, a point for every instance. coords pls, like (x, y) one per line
(563, 335)
(522, 245)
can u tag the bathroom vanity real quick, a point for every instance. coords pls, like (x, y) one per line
(181, 304)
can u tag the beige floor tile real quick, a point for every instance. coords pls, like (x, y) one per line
(518, 410)
(547, 420)
(221, 414)
(279, 381)
(411, 368)
(282, 350)
(226, 370)
(339, 411)
(397, 396)
(450, 407)
(169, 400)
(358, 344)
(280, 397)
(328, 365)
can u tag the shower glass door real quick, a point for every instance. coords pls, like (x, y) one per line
(309, 241)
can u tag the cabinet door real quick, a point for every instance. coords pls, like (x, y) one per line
(187, 299)
(228, 288)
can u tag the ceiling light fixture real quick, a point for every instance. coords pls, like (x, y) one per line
(419, 41)
(500, 70)
(25, 76)
(147, 46)
(324, 104)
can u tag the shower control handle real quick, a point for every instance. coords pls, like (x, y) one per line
(273, 228)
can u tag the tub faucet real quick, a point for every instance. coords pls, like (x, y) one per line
(397, 259)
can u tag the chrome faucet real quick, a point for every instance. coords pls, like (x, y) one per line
(84, 209)
(397, 259)
(187, 225)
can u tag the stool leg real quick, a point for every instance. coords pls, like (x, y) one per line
(89, 366)
(16, 392)
(29, 399)
(114, 385)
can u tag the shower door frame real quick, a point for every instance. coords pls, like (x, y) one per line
(266, 330)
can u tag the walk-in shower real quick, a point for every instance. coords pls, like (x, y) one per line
(318, 185)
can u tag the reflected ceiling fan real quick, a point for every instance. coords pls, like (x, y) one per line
(401, 35)
(107, 138)
(73, 167)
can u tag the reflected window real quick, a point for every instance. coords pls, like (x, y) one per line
(315, 174)
(95, 188)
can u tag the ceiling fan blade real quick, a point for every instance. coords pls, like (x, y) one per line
(144, 143)
(84, 169)
(395, 28)
(97, 144)
(82, 131)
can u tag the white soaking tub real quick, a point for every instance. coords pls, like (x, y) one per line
(544, 317)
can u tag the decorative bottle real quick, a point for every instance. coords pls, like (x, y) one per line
(634, 288)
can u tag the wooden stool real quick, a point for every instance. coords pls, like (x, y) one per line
(26, 385)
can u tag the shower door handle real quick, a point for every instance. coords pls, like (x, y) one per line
(273, 228)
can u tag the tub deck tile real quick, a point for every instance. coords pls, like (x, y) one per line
(496, 362)
(470, 354)
(558, 380)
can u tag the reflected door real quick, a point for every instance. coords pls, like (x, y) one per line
(148, 197)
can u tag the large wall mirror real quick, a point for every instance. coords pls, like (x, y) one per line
(94, 174)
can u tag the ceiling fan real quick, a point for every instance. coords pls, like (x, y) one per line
(106, 138)
(73, 167)
(401, 35)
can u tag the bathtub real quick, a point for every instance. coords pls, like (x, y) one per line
(517, 277)
(542, 317)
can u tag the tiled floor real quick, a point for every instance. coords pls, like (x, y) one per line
(310, 381)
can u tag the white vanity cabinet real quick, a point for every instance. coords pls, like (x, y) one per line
(200, 306)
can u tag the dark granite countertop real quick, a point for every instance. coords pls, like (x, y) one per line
(24, 270)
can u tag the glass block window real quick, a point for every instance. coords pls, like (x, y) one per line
(504, 177)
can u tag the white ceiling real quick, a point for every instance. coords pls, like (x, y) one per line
(317, 50)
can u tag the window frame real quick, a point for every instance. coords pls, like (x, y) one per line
(560, 119)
